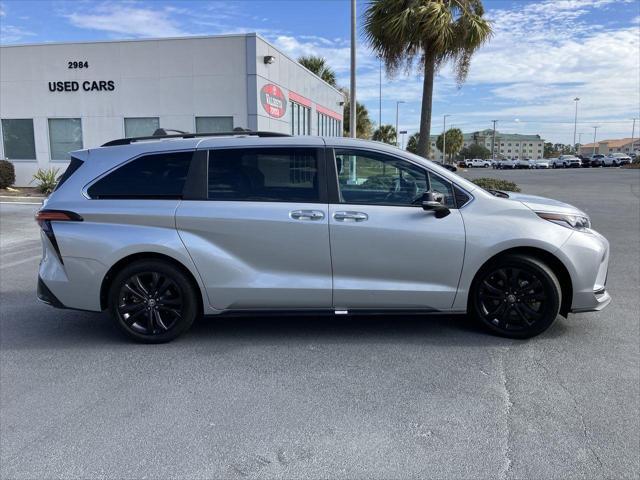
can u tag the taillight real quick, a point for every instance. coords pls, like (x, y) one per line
(44, 219)
(56, 215)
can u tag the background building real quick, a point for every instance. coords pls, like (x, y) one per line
(610, 146)
(508, 145)
(55, 98)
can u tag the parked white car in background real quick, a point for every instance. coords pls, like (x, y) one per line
(571, 161)
(477, 162)
(616, 160)
(542, 163)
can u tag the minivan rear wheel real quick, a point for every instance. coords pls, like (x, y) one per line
(516, 296)
(152, 301)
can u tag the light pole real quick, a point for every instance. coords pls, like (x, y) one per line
(580, 140)
(575, 123)
(398, 102)
(444, 138)
(633, 135)
(352, 105)
(595, 130)
(380, 95)
(493, 142)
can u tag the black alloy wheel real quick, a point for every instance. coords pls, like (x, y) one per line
(152, 301)
(516, 296)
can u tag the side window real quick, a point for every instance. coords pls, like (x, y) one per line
(264, 175)
(370, 178)
(443, 187)
(160, 175)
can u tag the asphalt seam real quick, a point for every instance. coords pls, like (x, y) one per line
(585, 430)
(506, 396)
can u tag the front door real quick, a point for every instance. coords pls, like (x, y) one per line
(387, 252)
(261, 240)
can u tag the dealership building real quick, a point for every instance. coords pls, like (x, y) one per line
(56, 98)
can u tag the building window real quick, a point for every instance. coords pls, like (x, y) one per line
(65, 135)
(141, 126)
(328, 126)
(300, 119)
(18, 139)
(214, 124)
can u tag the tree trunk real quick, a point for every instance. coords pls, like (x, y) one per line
(424, 143)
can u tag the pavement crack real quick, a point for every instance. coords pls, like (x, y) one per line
(507, 404)
(576, 408)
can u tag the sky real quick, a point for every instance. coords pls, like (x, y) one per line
(543, 54)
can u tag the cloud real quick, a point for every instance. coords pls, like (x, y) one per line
(12, 33)
(129, 20)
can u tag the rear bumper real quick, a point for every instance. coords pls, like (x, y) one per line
(46, 296)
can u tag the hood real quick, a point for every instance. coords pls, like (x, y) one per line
(543, 204)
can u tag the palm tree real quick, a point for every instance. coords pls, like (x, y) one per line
(318, 65)
(430, 31)
(455, 140)
(363, 122)
(412, 143)
(386, 134)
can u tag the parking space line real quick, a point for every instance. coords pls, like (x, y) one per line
(19, 262)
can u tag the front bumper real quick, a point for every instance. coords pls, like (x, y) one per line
(587, 259)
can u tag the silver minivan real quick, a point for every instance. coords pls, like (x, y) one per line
(163, 231)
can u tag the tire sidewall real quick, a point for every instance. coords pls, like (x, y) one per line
(543, 272)
(190, 310)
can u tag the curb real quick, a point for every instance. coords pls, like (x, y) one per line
(10, 199)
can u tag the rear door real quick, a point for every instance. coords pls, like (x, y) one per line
(260, 240)
(387, 252)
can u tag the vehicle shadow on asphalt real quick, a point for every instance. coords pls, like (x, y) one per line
(34, 326)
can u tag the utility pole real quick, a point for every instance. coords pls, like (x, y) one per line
(595, 130)
(397, 135)
(633, 135)
(444, 138)
(575, 124)
(493, 142)
(352, 105)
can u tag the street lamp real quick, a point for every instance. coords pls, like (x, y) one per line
(595, 130)
(493, 142)
(444, 137)
(580, 140)
(398, 102)
(575, 123)
(353, 104)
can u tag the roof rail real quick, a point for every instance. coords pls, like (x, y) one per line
(130, 140)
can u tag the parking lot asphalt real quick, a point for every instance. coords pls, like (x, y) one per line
(392, 397)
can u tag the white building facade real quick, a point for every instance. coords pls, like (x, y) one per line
(56, 98)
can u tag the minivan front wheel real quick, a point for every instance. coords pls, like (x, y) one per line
(516, 296)
(152, 301)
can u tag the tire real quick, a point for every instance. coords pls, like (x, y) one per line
(515, 296)
(152, 301)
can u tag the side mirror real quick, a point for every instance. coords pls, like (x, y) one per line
(432, 201)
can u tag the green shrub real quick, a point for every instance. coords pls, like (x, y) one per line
(7, 174)
(496, 184)
(46, 180)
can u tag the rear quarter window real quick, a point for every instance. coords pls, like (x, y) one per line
(158, 175)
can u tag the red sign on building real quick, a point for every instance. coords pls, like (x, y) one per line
(273, 100)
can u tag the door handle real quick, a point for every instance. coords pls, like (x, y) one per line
(307, 214)
(354, 216)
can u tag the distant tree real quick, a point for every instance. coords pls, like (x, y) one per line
(549, 150)
(412, 143)
(454, 141)
(474, 150)
(426, 34)
(319, 66)
(386, 134)
(363, 122)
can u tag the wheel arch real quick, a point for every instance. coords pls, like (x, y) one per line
(553, 262)
(123, 262)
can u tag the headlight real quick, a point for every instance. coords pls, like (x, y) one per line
(576, 222)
